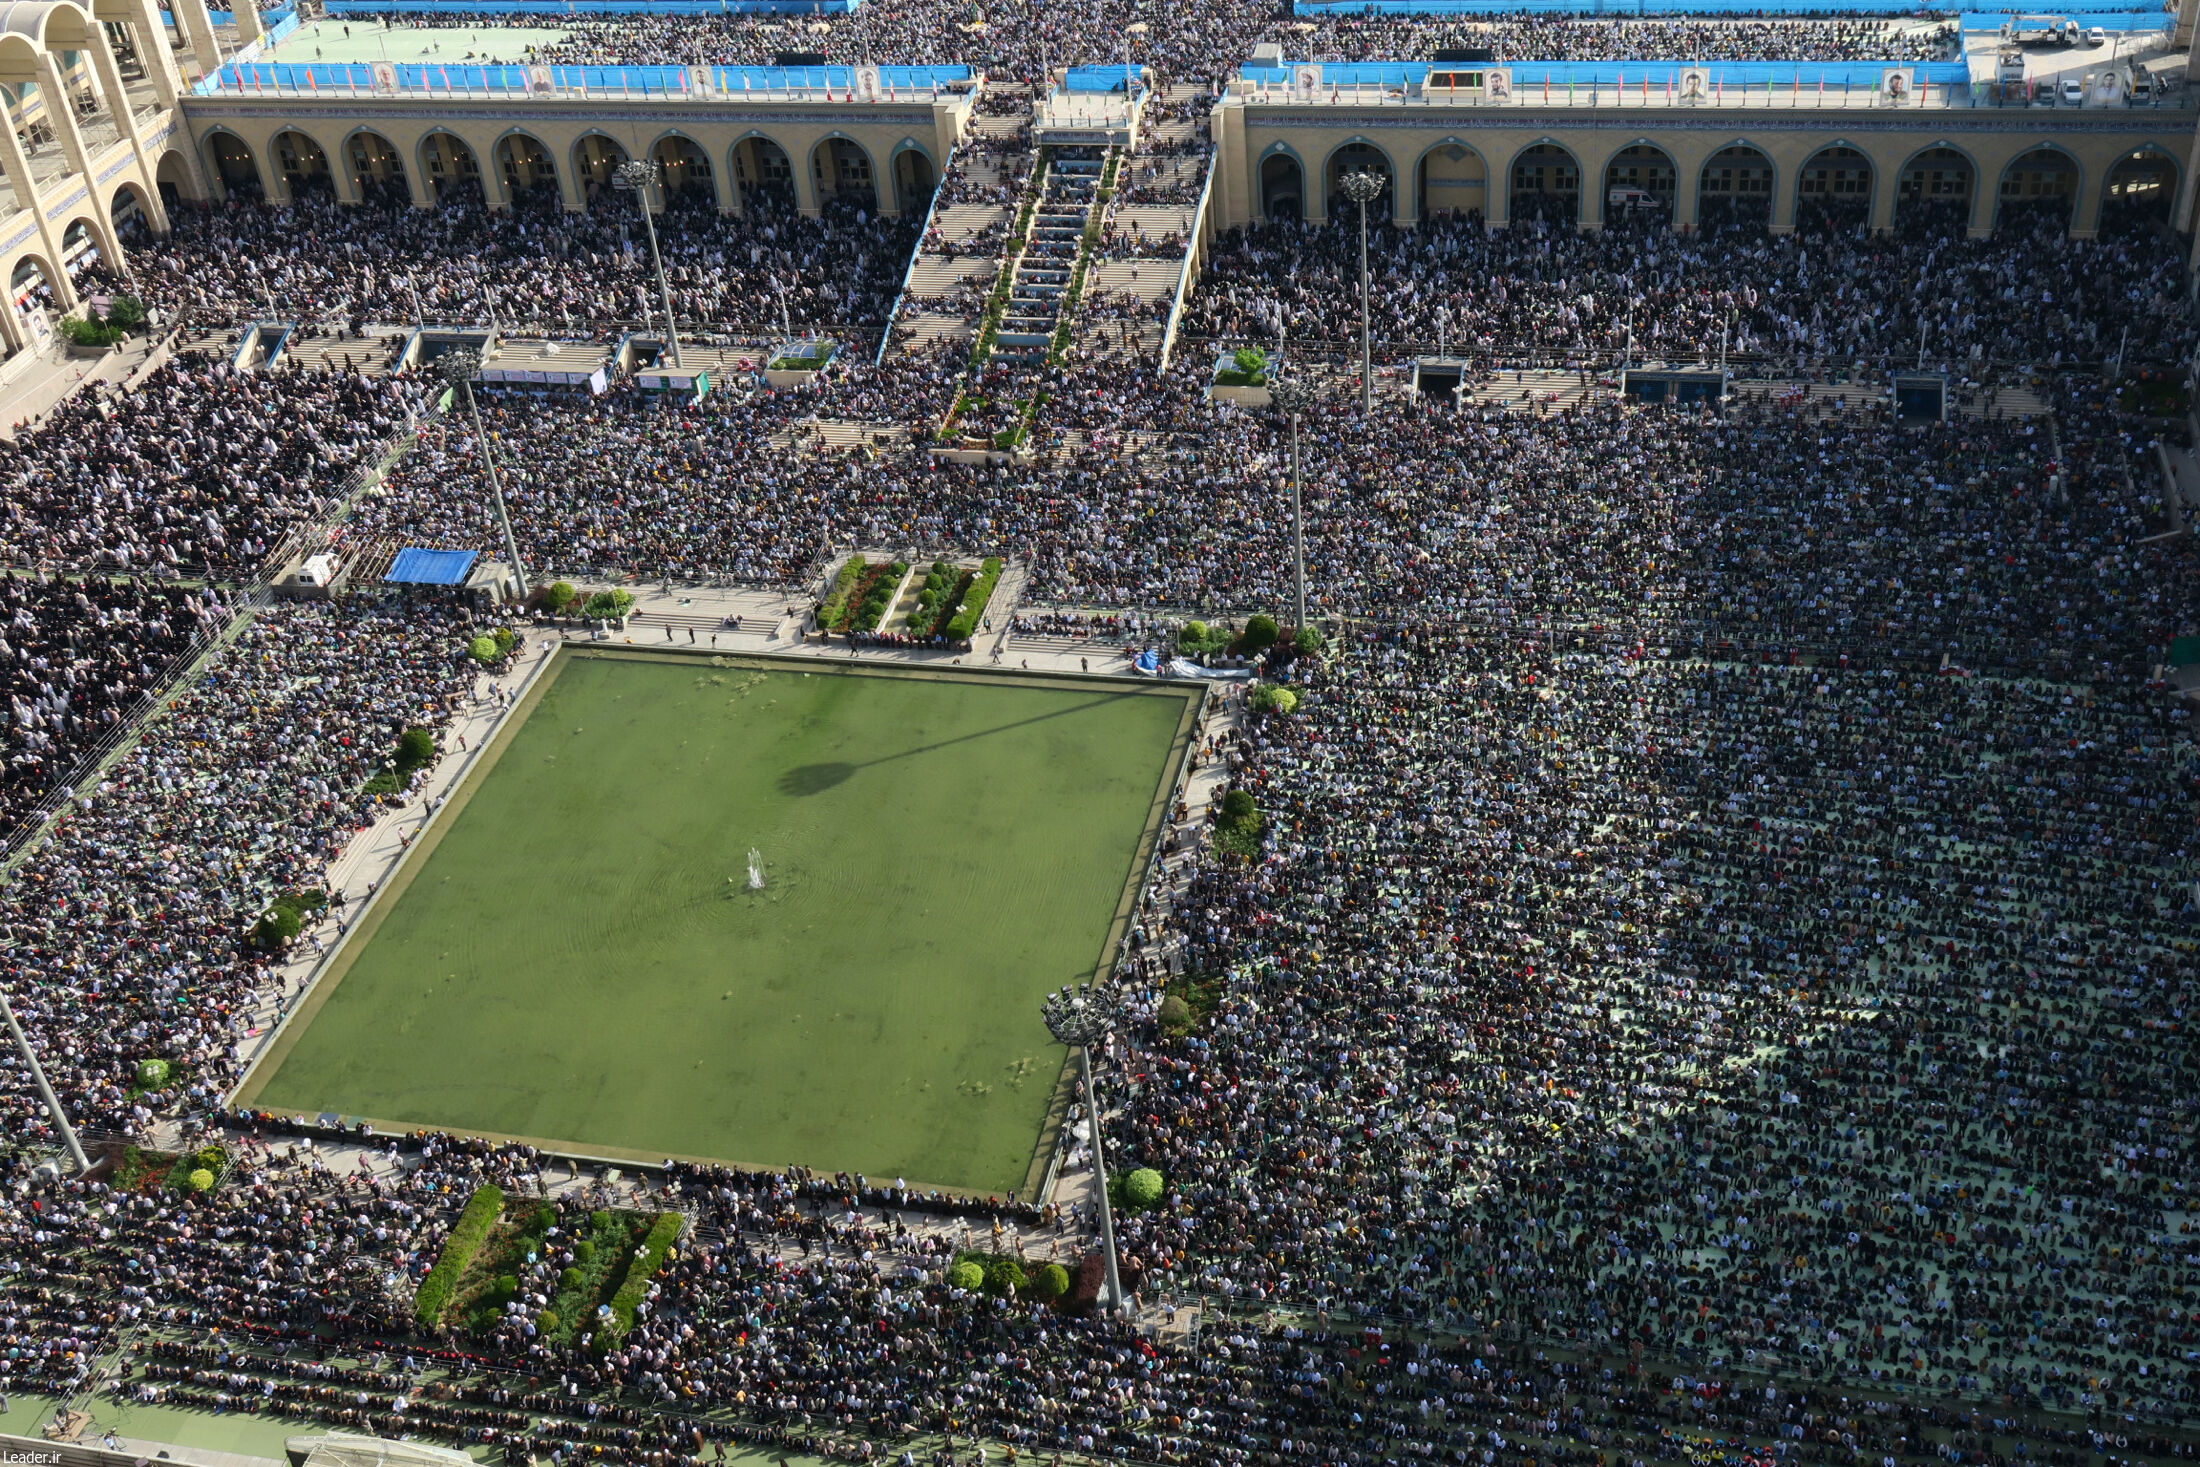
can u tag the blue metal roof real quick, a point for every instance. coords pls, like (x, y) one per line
(1860, 74)
(417, 567)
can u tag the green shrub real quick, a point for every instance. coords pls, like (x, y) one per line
(967, 1276)
(381, 782)
(1176, 1014)
(1141, 1189)
(277, 927)
(126, 312)
(584, 1251)
(1237, 831)
(1306, 641)
(1050, 1283)
(608, 605)
(559, 594)
(84, 331)
(648, 1258)
(570, 1279)
(482, 649)
(459, 1247)
(966, 621)
(1271, 699)
(154, 1073)
(415, 750)
(1191, 635)
(1004, 1276)
(200, 1180)
(504, 638)
(1238, 805)
(1260, 634)
(547, 1322)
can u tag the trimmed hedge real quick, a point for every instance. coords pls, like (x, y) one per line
(459, 1247)
(965, 621)
(967, 1276)
(608, 605)
(648, 1258)
(835, 605)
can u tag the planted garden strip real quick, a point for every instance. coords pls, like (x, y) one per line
(973, 602)
(459, 1247)
(648, 1258)
(874, 592)
(835, 604)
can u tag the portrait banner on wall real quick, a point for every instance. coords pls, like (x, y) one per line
(385, 77)
(1497, 84)
(1306, 83)
(1896, 84)
(1695, 85)
(866, 83)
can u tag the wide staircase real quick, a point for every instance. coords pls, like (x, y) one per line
(1039, 293)
(1130, 288)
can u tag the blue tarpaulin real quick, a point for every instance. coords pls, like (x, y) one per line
(1621, 8)
(633, 81)
(417, 567)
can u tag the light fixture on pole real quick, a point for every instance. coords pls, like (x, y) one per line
(1362, 188)
(45, 1091)
(459, 367)
(1081, 1017)
(639, 174)
(1294, 400)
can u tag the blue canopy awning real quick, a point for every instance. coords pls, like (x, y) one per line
(417, 567)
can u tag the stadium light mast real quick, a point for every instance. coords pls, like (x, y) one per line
(459, 368)
(45, 1090)
(1293, 399)
(639, 174)
(1362, 188)
(1081, 1017)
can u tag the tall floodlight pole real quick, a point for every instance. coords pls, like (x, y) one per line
(638, 174)
(1362, 188)
(1080, 1017)
(53, 1103)
(1293, 399)
(459, 368)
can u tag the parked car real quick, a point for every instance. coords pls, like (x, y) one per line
(2072, 92)
(2096, 37)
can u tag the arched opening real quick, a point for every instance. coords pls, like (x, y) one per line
(303, 163)
(2038, 191)
(1638, 186)
(2141, 191)
(595, 159)
(842, 172)
(1933, 195)
(525, 166)
(79, 246)
(377, 169)
(234, 165)
(1282, 187)
(1451, 178)
(173, 177)
(131, 213)
(684, 168)
(1833, 190)
(1546, 184)
(1359, 158)
(452, 170)
(34, 291)
(764, 173)
(1735, 190)
(914, 181)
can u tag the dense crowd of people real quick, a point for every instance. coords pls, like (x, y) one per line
(584, 276)
(1707, 984)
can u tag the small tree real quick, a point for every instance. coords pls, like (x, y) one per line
(1004, 1276)
(967, 1276)
(1306, 641)
(1176, 1014)
(1272, 699)
(482, 649)
(1050, 1283)
(153, 1073)
(1253, 362)
(415, 749)
(505, 639)
(200, 1180)
(1141, 1189)
(1191, 635)
(1260, 634)
(1239, 806)
(559, 594)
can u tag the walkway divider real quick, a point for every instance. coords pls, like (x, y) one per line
(916, 252)
(1195, 251)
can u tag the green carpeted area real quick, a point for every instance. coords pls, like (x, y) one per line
(579, 957)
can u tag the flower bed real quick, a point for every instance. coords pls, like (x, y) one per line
(872, 596)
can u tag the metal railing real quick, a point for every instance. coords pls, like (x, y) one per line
(1195, 250)
(916, 252)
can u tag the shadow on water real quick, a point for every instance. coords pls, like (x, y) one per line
(815, 779)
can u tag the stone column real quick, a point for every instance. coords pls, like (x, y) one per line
(1497, 197)
(159, 61)
(109, 78)
(722, 185)
(2085, 209)
(246, 15)
(198, 31)
(1886, 191)
(18, 168)
(1687, 203)
(1783, 207)
(61, 113)
(805, 182)
(1984, 198)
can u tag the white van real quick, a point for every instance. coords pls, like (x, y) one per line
(1627, 200)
